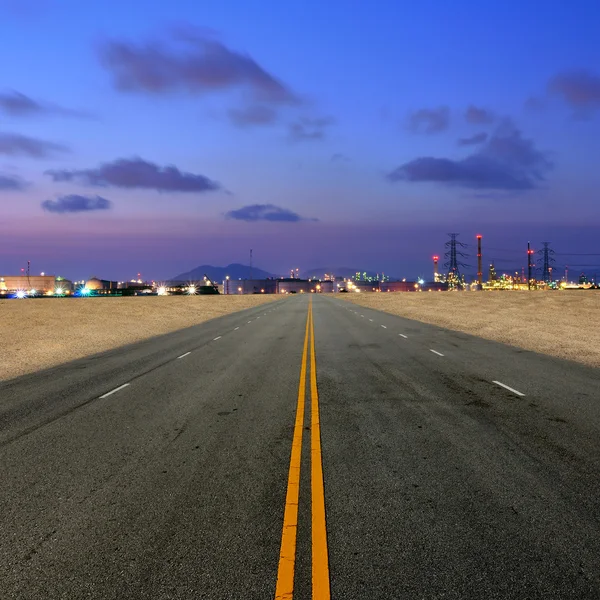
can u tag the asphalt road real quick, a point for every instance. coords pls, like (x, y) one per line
(203, 477)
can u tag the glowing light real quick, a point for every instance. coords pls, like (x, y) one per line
(59, 291)
(33, 292)
(208, 282)
(162, 291)
(21, 294)
(191, 290)
(239, 289)
(84, 291)
(421, 281)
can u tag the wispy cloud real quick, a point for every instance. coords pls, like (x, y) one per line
(137, 173)
(579, 89)
(479, 116)
(252, 115)
(473, 140)
(506, 162)
(194, 61)
(12, 183)
(428, 120)
(17, 104)
(14, 144)
(76, 204)
(307, 128)
(265, 212)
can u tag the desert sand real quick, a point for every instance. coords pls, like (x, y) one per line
(42, 333)
(564, 324)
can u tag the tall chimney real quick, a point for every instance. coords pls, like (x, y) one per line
(479, 271)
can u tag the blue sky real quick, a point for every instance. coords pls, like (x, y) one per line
(358, 110)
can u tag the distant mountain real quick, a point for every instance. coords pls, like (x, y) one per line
(235, 271)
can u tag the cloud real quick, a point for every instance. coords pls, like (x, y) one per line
(137, 173)
(428, 120)
(12, 183)
(195, 62)
(506, 162)
(252, 115)
(478, 138)
(76, 204)
(17, 104)
(479, 116)
(265, 212)
(13, 144)
(307, 128)
(579, 89)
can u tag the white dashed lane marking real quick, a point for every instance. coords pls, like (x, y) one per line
(236, 328)
(217, 338)
(184, 355)
(115, 390)
(402, 335)
(384, 326)
(436, 352)
(508, 388)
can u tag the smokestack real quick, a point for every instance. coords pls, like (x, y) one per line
(479, 270)
(435, 268)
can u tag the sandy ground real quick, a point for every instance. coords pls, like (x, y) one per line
(37, 334)
(565, 324)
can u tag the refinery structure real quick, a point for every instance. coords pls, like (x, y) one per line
(538, 271)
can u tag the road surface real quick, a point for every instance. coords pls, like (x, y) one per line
(409, 462)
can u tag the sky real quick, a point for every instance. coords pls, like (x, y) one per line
(147, 137)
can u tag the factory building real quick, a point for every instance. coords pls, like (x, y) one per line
(40, 284)
(101, 285)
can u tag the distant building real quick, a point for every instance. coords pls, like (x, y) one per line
(38, 284)
(101, 286)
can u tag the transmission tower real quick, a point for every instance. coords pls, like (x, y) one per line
(548, 254)
(453, 264)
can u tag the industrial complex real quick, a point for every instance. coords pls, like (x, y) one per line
(452, 277)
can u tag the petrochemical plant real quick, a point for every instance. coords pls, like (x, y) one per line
(539, 272)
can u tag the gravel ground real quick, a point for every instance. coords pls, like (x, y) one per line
(565, 324)
(38, 334)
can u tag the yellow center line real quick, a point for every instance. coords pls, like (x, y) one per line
(320, 557)
(287, 555)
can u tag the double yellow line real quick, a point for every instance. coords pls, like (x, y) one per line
(287, 556)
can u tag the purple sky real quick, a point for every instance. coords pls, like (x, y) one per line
(154, 137)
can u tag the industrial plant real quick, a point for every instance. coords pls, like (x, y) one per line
(538, 271)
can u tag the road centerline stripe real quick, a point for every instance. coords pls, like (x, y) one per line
(436, 352)
(404, 336)
(284, 589)
(509, 388)
(217, 338)
(236, 328)
(384, 326)
(115, 390)
(184, 355)
(320, 555)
